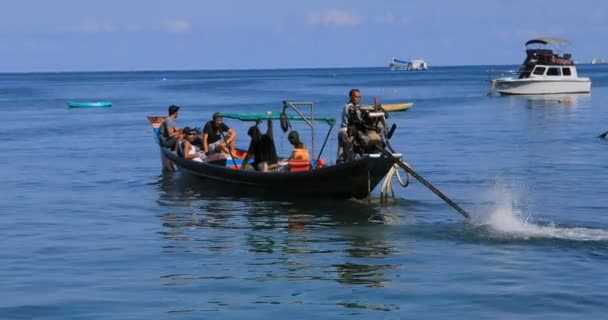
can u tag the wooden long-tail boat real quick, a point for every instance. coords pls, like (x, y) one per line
(352, 179)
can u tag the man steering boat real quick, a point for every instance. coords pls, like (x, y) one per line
(360, 131)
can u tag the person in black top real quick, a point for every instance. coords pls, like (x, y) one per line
(261, 149)
(214, 139)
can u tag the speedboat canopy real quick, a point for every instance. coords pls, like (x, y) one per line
(272, 116)
(547, 41)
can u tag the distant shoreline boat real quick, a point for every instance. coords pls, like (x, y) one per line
(403, 65)
(598, 61)
(391, 107)
(543, 72)
(95, 104)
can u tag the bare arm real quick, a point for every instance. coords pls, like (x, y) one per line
(269, 130)
(205, 144)
(174, 132)
(231, 136)
(248, 156)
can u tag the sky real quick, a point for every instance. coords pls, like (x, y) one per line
(127, 35)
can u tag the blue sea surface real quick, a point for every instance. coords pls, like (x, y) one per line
(91, 228)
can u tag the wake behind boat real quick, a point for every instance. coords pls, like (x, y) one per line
(543, 72)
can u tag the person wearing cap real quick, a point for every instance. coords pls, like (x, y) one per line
(214, 140)
(168, 133)
(188, 150)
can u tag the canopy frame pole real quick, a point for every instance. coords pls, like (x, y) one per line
(309, 122)
(324, 142)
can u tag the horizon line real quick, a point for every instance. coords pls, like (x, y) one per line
(237, 69)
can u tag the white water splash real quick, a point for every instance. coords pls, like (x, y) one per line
(509, 220)
(510, 224)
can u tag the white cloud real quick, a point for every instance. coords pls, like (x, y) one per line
(335, 18)
(177, 26)
(392, 19)
(599, 15)
(39, 45)
(94, 26)
(134, 27)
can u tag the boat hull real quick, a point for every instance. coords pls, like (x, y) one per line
(509, 86)
(392, 107)
(354, 179)
(400, 68)
(97, 104)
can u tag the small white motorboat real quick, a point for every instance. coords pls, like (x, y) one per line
(543, 72)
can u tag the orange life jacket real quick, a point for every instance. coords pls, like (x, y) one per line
(296, 165)
(300, 154)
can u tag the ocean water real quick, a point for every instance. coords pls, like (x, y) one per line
(91, 228)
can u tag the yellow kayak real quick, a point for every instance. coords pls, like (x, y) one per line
(391, 107)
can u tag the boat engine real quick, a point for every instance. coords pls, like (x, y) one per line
(366, 131)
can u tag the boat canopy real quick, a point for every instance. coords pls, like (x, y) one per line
(547, 41)
(273, 116)
(400, 61)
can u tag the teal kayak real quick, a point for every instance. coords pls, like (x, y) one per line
(98, 104)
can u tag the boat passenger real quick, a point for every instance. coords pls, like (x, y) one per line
(214, 140)
(300, 151)
(189, 152)
(261, 148)
(168, 134)
(351, 111)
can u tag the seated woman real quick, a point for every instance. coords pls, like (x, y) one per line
(188, 150)
(300, 151)
(261, 148)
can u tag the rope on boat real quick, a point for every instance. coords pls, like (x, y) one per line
(492, 87)
(387, 183)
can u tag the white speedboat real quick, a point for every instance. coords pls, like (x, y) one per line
(544, 72)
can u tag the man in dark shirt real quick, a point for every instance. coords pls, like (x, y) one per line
(261, 149)
(214, 139)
